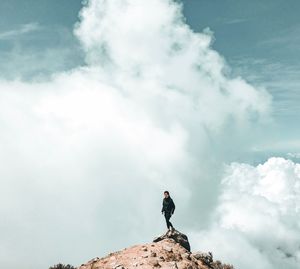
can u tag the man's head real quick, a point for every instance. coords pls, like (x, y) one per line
(166, 194)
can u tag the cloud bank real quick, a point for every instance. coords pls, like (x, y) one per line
(87, 154)
(256, 223)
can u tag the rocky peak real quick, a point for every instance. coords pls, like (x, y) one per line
(168, 251)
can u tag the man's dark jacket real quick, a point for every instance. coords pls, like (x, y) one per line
(168, 205)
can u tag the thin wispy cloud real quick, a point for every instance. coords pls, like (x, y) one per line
(21, 30)
(24, 58)
(233, 21)
(282, 79)
(288, 37)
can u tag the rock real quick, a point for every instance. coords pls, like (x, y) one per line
(169, 251)
(177, 236)
(154, 263)
(186, 256)
(167, 248)
(118, 266)
(93, 260)
(153, 254)
(206, 258)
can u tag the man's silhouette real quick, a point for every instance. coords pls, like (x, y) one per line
(168, 208)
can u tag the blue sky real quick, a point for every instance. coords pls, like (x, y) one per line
(259, 40)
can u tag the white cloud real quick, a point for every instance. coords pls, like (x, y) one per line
(21, 30)
(33, 60)
(294, 155)
(233, 20)
(256, 223)
(87, 154)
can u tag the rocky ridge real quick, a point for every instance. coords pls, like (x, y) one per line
(168, 251)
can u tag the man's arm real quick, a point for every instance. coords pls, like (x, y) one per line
(162, 210)
(173, 207)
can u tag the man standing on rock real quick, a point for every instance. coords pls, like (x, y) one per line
(168, 208)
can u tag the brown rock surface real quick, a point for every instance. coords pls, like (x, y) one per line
(165, 253)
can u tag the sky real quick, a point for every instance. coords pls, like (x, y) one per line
(106, 104)
(259, 40)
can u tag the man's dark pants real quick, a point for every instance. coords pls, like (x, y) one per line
(167, 217)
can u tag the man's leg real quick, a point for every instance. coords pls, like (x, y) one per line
(170, 224)
(168, 216)
(167, 219)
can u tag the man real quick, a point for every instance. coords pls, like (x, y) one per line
(168, 208)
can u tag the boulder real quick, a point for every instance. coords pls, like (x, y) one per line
(177, 236)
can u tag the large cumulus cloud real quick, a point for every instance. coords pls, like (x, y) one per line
(86, 154)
